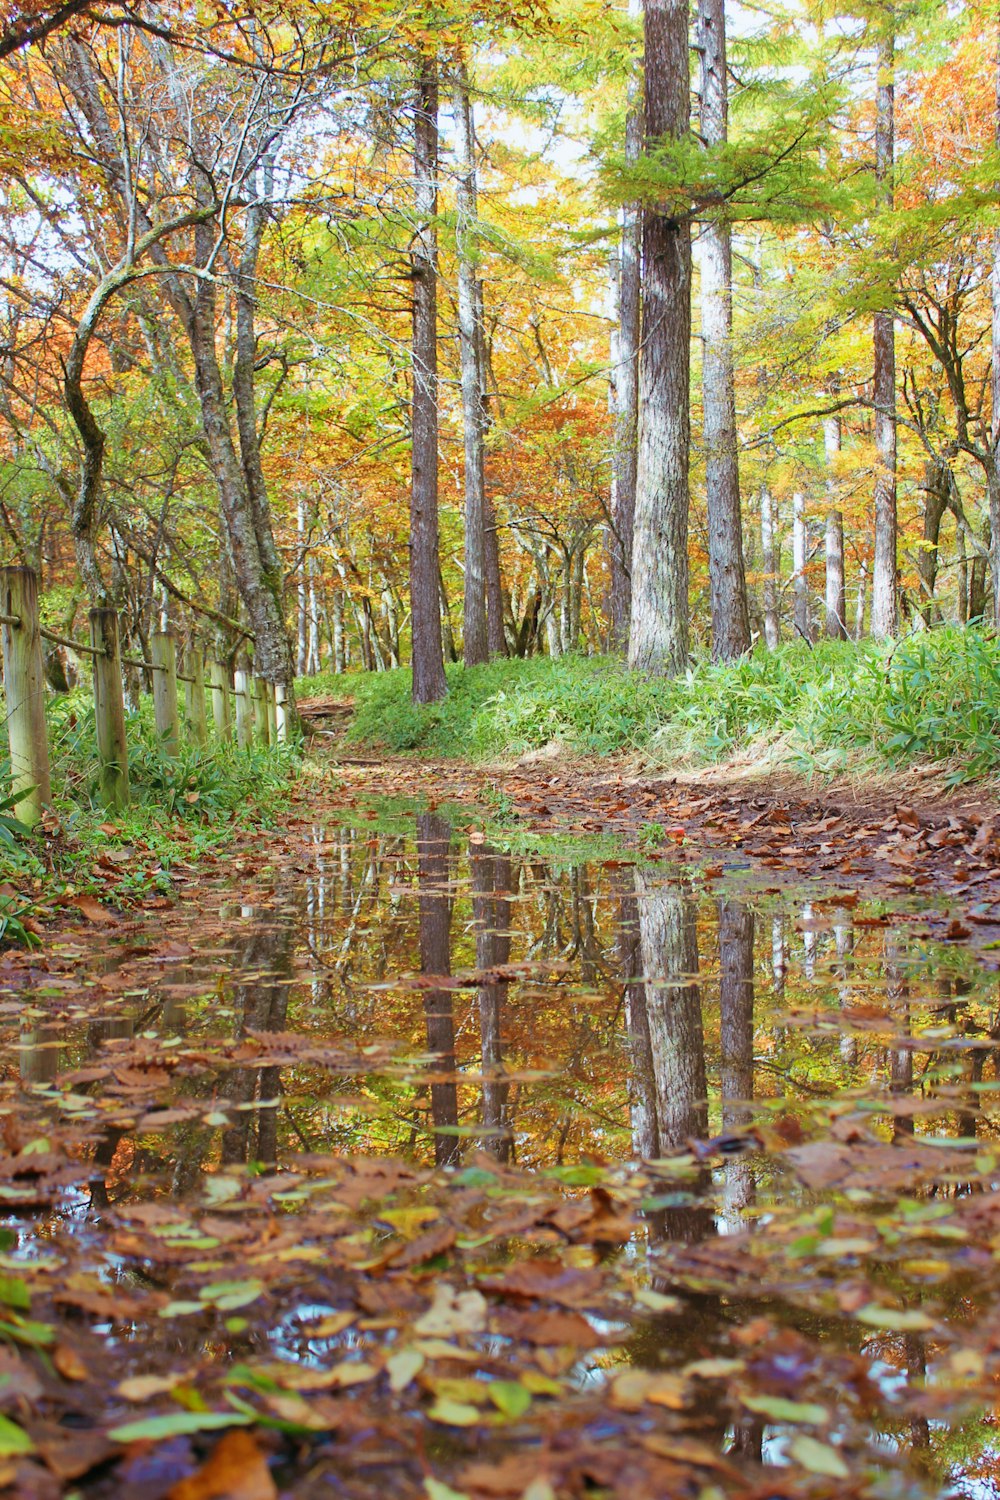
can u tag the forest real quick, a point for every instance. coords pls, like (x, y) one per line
(499, 842)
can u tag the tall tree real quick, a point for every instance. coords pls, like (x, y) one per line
(625, 391)
(727, 579)
(994, 471)
(884, 602)
(475, 643)
(425, 612)
(659, 625)
(836, 598)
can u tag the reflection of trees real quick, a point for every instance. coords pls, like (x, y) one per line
(736, 1003)
(491, 884)
(433, 838)
(668, 945)
(261, 1003)
(642, 1081)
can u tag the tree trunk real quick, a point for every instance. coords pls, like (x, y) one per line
(885, 620)
(800, 583)
(995, 380)
(475, 645)
(659, 623)
(769, 560)
(727, 578)
(836, 594)
(625, 388)
(936, 489)
(736, 1008)
(433, 836)
(428, 661)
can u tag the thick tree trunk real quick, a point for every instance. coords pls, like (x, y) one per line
(625, 393)
(428, 661)
(669, 947)
(836, 595)
(659, 625)
(475, 645)
(885, 613)
(727, 578)
(769, 561)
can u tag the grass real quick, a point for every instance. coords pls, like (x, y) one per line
(930, 697)
(182, 809)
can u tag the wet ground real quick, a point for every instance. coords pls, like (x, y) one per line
(434, 1162)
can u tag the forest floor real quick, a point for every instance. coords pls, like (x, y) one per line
(230, 1269)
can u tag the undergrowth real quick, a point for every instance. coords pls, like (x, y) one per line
(928, 697)
(182, 808)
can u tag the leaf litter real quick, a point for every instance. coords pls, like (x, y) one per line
(269, 1227)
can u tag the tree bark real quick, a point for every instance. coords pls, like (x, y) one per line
(836, 596)
(769, 560)
(625, 389)
(885, 611)
(736, 1014)
(727, 577)
(800, 582)
(659, 623)
(475, 643)
(429, 683)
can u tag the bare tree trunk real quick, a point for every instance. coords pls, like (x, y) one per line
(769, 559)
(800, 582)
(836, 595)
(885, 615)
(935, 504)
(428, 661)
(659, 623)
(669, 947)
(994, 489)
(727, 577)
(625, 388)
(301, 593)
(475, 646)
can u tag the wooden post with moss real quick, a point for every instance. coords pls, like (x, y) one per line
(218, 681)
(260, 714)
(24, 691)
(109, 709)
(163, 648)
(244, 707)
(194, 696)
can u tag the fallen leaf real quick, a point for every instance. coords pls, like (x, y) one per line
(236, 1470)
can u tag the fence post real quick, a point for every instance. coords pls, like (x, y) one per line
(109, 709)
(244, 707)
(218, 680)
(272, 713)
(163, 649)
(260, 716)
(24, 690)
(281, 711)
(194, 696)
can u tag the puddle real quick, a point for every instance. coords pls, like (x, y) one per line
(811, 1080)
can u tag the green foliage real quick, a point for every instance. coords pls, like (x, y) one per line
(932, 696)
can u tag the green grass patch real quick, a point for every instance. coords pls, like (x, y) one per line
(930, 697)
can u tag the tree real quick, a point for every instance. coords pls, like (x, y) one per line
(728, 590)
(659, 623)
(428, 657)
(885, 613)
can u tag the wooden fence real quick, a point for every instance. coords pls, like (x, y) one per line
(241, 703)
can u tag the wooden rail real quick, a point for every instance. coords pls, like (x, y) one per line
(260, 714)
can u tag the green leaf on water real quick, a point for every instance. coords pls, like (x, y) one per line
(455, 1413)
(177, 1424)
(817, 1457)
(15, 1292)
(779, 1409)
(510, 1397)
(894, 1319)
(227, 1296)
(438, 1491)
(13, 1439)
